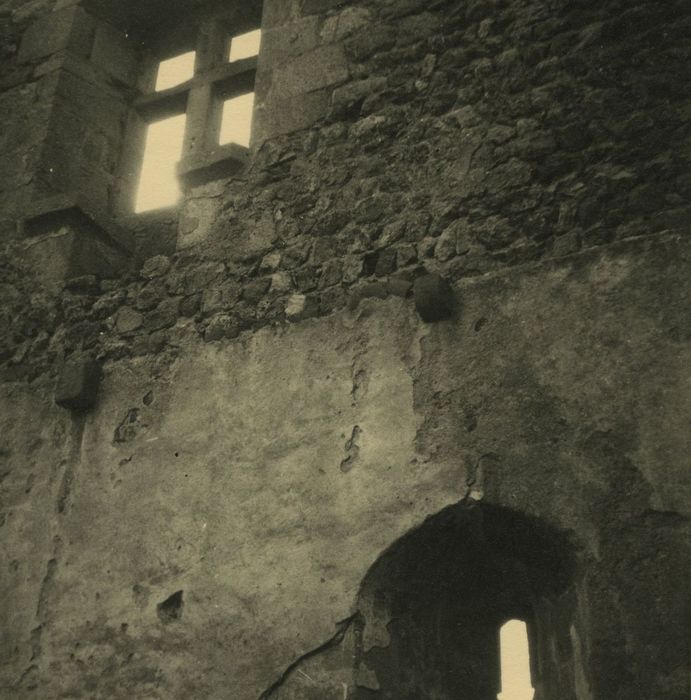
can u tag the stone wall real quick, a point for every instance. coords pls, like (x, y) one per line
(456, 138)
(263, 476)
(274, 414)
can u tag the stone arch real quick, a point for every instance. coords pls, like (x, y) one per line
(431, 606)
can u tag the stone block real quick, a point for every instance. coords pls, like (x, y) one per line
(345, 23)
(300, 307)
(221, 326)
(287, 41)
(386, 262)
(163, 316)
(398, 287)
(289, 115)
(434, 299)
(69, 29)
(128, 320)
(362, 45)
(156, 266)
(66, 239)
(356, 91)
(77, 386)
(323, 67)
(279, 12)
(320, 6)
(81, 98)
(255, 289)
(113, 53)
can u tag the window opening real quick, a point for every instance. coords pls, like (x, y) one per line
(158, 183)
(213, 86)
(244, 45)
(515, 662)
(236, 122)
(175, 71)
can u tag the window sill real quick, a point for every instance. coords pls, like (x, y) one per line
(223, 161)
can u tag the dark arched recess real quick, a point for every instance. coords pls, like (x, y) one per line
(432, 606)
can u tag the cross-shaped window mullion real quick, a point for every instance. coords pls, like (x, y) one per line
(205, 100)
(215, 79)
(227, 79)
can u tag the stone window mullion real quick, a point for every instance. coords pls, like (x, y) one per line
(198, 128)
(215, 79)
(212, 44)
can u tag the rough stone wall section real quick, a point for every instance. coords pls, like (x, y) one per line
(24, 112)
(209, 538)
(447, 136)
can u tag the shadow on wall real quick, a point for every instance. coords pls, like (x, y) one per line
(432, 606)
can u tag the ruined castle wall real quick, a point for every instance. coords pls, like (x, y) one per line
(462, 139)
(274, 413)
(263, 476)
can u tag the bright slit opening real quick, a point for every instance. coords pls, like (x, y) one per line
(236, 122)
(515, 662)
(158, 183)
(175, 71)
(245, 45)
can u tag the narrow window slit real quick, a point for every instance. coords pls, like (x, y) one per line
(244, 45)
(515, 662)
(158, 183)
(236, 121)
(175, 71)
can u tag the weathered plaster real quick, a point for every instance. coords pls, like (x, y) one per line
(222, 477)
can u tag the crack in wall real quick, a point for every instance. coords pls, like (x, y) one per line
(73, 442)
(129, 427)
(48, 578)
(69, 463)
(65, 486)
(360, 383)
(342, 628)
(358, 371)
(477, 475)
(352, 450)
(36, 636)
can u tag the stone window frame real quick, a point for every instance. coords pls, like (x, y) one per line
(201, 99)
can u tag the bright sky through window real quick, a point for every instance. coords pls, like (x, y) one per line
(175, 71)
(158, 184)
(236, 122)
(515, 662)
(245, 45)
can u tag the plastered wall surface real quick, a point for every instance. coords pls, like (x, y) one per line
(263, 476)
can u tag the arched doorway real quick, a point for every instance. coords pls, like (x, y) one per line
(434, 603)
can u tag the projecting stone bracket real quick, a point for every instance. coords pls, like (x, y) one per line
(77, 387)
(434, 298)
(64, 238)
